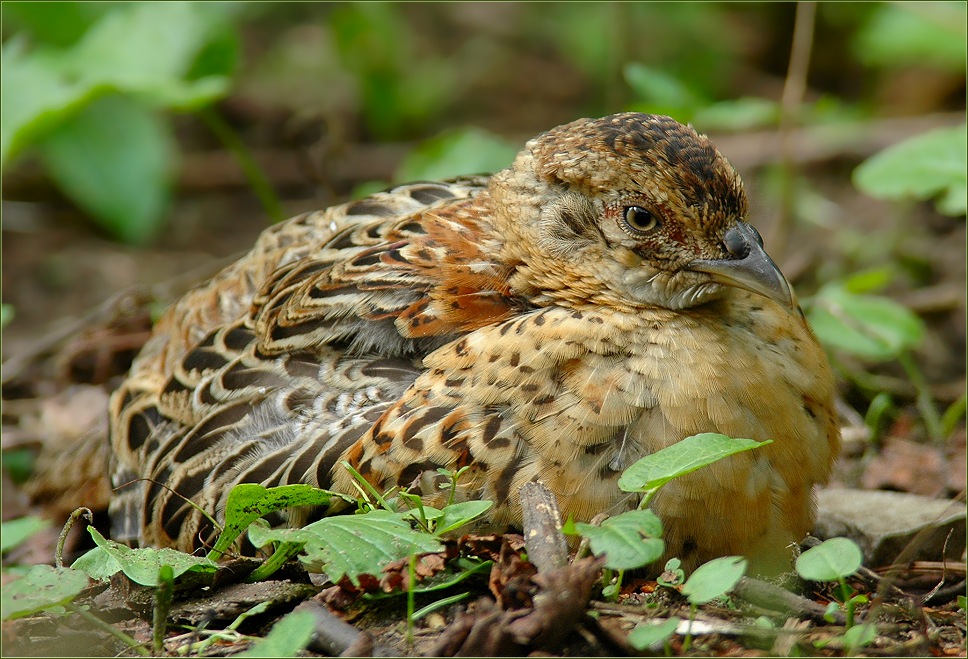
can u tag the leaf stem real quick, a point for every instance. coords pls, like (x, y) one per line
(100, 624)
(257, 178)
(932, 420)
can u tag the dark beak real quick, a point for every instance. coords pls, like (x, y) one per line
(748, 266)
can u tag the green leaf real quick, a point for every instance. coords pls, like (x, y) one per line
(119, 54)
(457, 515)
(914, 33)
(931, 164)
(16, 531)
(352, 544)
(653, 634)
(98, 564)
(831, 560)
(455, 153)
(6, 314)
(629, 540)
(867, 326)
(655, 87)
(962, 602)
(248, 502)
(741, 114)
(142, 565)
(860, 636)
(714, 579)
(35, 96)
(692, 453)
(57, 23)
(41, 587)
(287, 638)
(115, 160)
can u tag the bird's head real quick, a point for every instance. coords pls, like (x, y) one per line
(633, 210)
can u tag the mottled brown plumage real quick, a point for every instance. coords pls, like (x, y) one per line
(599, 300)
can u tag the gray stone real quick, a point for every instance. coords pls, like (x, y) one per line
(884, 524)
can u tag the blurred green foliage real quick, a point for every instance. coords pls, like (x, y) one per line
(93, 99)
(91, 88)
(922, 167)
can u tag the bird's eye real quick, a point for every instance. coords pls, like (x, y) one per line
(640, 220)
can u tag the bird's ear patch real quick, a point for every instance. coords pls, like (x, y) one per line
(567, 225)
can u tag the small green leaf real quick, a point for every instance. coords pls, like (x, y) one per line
(952, 415)
(143, 565)
(629, 540)
(962, 602)
(352, 544)
(831, 560)
(457, 515)
(866, 326)
(454, 153)
(860, 636)
(115, 160)
(741, 114)
(934, 163)
(41, 587)
(248, 502)
(653, 634)
(692, 453)
(655, 87)
(287, 638)
(6, 314)
(16, 531)
(868, 281)
(830, 613)
(714, 579)
(880, 406)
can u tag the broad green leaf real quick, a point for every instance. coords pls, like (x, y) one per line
(287, 638)
(142, 565)
(352, 544)
(35, 97)
(248, 502)
(98, 564)
(57, 23)
(457, 515)
(115, 160)
(831, 560)
(914, 33)
(934, 163)
(714, 579)
(652, 634)
(41, 587)
(122, 51)
(44, 88)
(867, 326)
(364, 544)
(15, 531)
(455, 153)
(629, 540)
(692, 453)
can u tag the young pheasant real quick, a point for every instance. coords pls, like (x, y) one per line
(599, 300)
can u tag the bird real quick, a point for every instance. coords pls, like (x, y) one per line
(602, 298)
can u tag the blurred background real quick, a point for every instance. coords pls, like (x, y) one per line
(144, 145)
